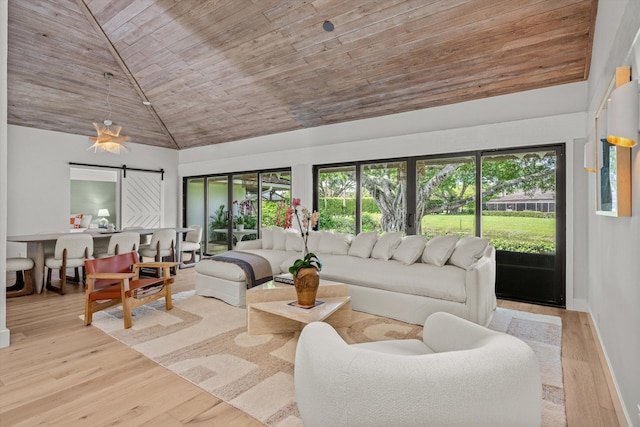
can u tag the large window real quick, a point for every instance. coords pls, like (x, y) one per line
(337, 199)
(445, 196)
(514, 197)
(384, 193)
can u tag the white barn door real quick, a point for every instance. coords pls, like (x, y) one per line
(142, 201)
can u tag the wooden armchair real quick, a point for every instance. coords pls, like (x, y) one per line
(115, 280)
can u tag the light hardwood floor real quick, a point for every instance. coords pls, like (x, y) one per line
(58, 372)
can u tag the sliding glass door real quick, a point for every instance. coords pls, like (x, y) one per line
(218, 215)
(523, 216)
(230, 206)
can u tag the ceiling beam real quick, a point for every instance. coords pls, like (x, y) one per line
(96, 26)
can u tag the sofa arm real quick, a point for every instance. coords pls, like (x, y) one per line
(249, 244)
(480, 283)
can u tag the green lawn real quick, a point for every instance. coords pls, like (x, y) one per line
(506, 233)
(519, 234)
(539, 228)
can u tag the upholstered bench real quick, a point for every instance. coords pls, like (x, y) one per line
(24, 282)
(221, 280)
(227, 281)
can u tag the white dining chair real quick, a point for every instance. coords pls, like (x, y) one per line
(70, 252)
(192, 244)
(119, 243)
(162, 246)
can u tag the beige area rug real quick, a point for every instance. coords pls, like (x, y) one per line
(205, 341)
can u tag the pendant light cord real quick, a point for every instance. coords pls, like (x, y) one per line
(108, 76)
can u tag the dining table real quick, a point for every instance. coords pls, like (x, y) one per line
(36, 244)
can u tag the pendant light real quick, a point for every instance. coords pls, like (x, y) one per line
(108, 138)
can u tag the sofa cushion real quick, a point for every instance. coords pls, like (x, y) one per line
(410, 249)
(446, 282)
(294, 242)
(386, 245)
(313, 241)
(468, 251)
(245, 244)
(363, 244)
(279, 239)
(222, 270)
(335, 243)
(86, 221)
(438, 250)
(267, 238)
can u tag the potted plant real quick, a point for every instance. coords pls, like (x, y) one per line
(240, 223)
(306, 278)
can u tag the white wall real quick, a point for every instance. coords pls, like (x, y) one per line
(38, 169)
(613, 244)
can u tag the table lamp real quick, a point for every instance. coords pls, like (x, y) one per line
(103, 221)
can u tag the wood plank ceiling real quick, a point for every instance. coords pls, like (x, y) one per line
(222, 70)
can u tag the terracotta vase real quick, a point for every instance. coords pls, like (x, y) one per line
(306, 283)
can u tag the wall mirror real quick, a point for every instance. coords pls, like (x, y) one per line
(613, 168)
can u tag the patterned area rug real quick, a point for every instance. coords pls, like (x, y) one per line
(205, 341)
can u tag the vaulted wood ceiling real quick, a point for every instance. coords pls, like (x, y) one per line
(222, 70)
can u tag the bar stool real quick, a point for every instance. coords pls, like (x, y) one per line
(24, 281)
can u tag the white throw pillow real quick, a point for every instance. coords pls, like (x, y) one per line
(335, 243)
(75, 220)
(438, 250)
(386, 245)
(468, 250)
(279, 239)
(410, 249)
(86, 220)
(294, 241)
(267, 238)
(363, 244)
(313, 241)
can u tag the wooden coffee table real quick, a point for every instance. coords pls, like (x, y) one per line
(268, 311)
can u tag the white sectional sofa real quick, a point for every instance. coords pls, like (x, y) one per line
(401, 278)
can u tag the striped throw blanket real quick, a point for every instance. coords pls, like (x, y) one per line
(257, 269)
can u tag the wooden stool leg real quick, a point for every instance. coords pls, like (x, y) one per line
(18, 286)
(63, 281)
(23, 286)
(28, 282)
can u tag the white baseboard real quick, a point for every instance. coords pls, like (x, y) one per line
(4, 338)
(610, 375)
(578, 304)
